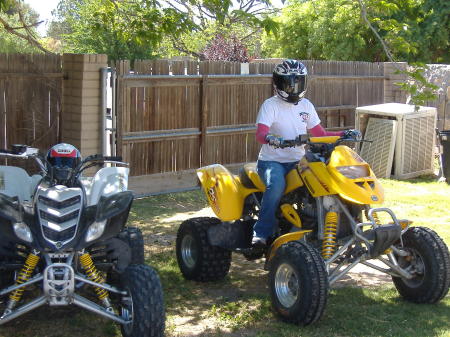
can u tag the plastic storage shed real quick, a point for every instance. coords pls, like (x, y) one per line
(414, 140)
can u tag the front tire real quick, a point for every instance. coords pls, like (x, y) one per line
(429, 260)
(133, 237)
(197, 259)
(144, 304)
(298, 283)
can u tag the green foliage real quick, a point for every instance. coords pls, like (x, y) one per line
(413, 30)
(136, 29)
(420, 90)
(5, 5)
(10, 43)
(323, 30)
(241, 19)
(120, 29)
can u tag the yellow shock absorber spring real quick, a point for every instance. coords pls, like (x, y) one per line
(330, 231)
(376, 218)
(24, 275)
(94, 275)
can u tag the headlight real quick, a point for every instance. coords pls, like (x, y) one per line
(23, 232)
(354, 171)
(95, 230)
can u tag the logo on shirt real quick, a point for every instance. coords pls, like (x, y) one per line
(304, 115)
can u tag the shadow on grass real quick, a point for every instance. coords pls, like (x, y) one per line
(229, 305)
(59, 322)
(166, 205)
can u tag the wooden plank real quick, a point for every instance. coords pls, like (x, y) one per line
(30, 75)
(204, 101)
(136, 82)
(163, 182)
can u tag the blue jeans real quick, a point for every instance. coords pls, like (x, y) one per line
(273, 175)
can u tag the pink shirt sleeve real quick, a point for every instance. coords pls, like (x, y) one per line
(261, 133)
(319, 131)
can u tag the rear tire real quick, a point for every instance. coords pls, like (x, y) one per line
(298, 283)
(133, 237)
(147, 306)
(197, 259)
(429, 259)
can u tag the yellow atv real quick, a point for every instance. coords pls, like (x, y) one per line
(326, 227)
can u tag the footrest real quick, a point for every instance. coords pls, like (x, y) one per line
(252, 253)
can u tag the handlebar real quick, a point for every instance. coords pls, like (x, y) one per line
(329, 140)
(99, 157)
(24, 152)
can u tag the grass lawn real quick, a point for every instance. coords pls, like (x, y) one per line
(239, 305)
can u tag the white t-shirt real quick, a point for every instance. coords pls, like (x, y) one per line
(288, 121)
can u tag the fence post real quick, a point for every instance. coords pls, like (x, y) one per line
(81, 118)
(392, 92)
(204, 70)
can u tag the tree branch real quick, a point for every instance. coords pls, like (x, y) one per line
(383, 43)
(181, 47)
(28, 37)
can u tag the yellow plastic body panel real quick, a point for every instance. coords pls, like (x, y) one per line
(224, 191)
(291, 215)
(250, 169)
(316, 178)
(294, 236)
(324, 179)
(293, 180)
(364, 190)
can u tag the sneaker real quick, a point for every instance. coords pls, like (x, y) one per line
(257, 241)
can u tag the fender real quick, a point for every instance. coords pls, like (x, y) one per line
(107, 181)
(294, 236)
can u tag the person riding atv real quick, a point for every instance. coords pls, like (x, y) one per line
(316, 224)
(283, 116)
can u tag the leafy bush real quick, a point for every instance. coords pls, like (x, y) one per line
(222, 49)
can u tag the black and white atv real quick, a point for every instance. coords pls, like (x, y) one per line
(65, 234)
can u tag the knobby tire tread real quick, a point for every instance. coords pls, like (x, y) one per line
(437, 250)
(147, 298)
(313, 266)
(214, 262)
(135, 240)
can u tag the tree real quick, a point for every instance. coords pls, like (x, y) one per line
(145, 28)
(121, 29)
(222, 49)
(18, 20)
(414, 30)
(242, 20)
(325, 29)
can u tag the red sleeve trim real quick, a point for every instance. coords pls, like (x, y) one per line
(261, 133)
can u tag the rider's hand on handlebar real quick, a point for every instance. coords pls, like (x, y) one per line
(352, 134)
(274, 140)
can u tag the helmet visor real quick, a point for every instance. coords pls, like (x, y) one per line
(63, 162)
(294, 84)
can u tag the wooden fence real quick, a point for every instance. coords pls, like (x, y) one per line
(177, 116)
(30, 99)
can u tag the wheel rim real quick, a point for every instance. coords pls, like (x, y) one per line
(188, 251)
(415, 265)
(286, 285)
(127, 312)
